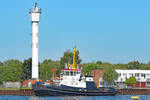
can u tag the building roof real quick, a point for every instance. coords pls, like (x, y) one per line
(132, 71)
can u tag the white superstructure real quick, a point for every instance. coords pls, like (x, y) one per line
(35, 18)
(72, 78)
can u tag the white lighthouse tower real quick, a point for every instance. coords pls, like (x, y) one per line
(35, 18)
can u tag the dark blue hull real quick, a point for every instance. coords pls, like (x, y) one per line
(58, 91)
(51, 92)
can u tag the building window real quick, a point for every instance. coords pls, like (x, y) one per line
(121, 79)
(130, 74)
(143, 75)
(147, 75)
(148, 84)
(137, 74)
(119, 74)
(124, 74)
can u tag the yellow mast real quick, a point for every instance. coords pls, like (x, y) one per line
(74, 56)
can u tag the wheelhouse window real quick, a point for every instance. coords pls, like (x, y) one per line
(79, 72)
(71, 73)
(74, 73)
(67, 73)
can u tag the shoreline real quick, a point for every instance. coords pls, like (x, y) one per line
(30, 92)
(133, 91)
(21, 92)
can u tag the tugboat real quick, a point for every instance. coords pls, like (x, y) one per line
(72, 83)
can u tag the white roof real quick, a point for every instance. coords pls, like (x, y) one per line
(132, 71)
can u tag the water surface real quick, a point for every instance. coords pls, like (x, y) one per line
(117, 97)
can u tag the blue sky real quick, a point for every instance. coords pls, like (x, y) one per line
(116, 31)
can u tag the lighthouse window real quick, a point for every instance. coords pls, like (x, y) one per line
(71, 73)
(36, 34)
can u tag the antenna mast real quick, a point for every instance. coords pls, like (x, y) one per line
(74, 57)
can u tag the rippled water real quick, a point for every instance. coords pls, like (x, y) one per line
(118, 97)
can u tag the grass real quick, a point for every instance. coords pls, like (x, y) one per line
(9, 88)
(25, 88)
(14, 88)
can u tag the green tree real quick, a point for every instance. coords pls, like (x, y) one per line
(68, 58)
(88, 68)
(1, 64)
(59, 67)
(134, 65)
(104, 65)
(27, 69)
(99, 62)
(131, 80)
(121, 66)
(145, 67)
(149, 62)
(1, 75)
(12, 70)
(110, 75)
(45, 69)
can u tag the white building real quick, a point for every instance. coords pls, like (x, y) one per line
(142, 77)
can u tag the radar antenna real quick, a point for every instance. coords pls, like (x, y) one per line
(35, 4)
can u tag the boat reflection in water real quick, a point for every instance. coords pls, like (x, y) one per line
(59, 98)
(117, 97)
(35, 98)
